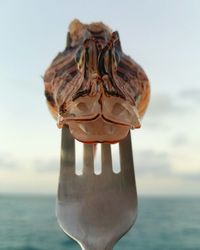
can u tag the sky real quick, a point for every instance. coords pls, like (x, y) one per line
(162, 36)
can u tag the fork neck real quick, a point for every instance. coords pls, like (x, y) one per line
(89, 247)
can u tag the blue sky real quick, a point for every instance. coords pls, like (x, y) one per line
(162, 36)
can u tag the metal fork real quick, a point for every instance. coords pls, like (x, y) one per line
(96, 210)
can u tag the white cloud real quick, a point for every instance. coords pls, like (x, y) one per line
(48, 165)
(162, 105)
(8, 162)
(167, 185)
(180, 140)
(28, 181)
(152, 162)
(164, 110)
(191, 94)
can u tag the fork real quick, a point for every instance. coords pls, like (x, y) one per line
(96, 210)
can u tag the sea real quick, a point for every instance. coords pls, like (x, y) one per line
(163, 223)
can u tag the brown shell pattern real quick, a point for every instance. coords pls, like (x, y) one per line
(94, 88)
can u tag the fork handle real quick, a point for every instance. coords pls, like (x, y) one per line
(92, 248)
(96, 247)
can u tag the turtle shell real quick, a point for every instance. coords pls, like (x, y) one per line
(94, 88)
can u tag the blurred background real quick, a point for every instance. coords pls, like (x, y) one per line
(163, 37)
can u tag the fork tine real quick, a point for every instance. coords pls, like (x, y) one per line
(106, 159)
(67, 165)
(67, 151)
(126, 159)
(88, 159)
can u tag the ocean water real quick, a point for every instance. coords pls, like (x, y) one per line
(29, 223)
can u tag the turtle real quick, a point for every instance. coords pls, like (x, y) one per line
(94, 88)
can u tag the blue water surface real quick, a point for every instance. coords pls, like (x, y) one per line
(29, 223)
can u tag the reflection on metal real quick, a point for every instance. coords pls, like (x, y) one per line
(96, 210)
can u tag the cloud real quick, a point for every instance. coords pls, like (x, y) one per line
(180, 140)
(163, 105)
(7, 162)
(42, 165)
(159, 165)
(192, 94)
(150, 162)
(165, 110)
(191, 176)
